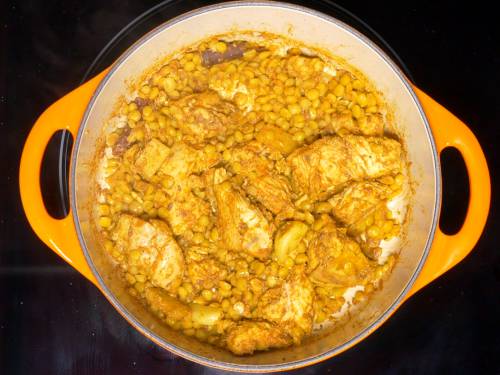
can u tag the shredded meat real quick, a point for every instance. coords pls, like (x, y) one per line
(234, 50)
(122, 143)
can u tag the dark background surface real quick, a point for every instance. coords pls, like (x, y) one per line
(52, 321)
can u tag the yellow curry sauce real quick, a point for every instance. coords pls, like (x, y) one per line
(245, 192)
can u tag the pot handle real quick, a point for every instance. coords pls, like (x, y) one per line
(59, 234)
(447, 250)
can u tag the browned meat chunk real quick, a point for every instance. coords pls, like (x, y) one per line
(371, 124)
(141, 102)
(150, 158)
(273, 192)
(335, 260)
(204, 271)
(121, 145)
(184, 161)
(248, 337)
(344, 123)
(205, 115)
(172, 309)
(358, 200)
(151, 248)
(290, 305)
(184, 209)
(183, 212)
(271, 189)
(242, 225)
(327, 165)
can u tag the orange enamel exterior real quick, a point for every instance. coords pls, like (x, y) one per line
(448, 250)
(61, 236)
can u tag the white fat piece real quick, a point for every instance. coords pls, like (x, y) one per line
(330, 70)
(398, 207)
(102, 174)
(348, 295)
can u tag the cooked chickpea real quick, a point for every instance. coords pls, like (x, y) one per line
(362, 100)
(130, 278)
(312, 94)
(134, 115)
(207, 295)
(387, 226)
(339, 90)
(240, 99)
(373, 231)
(357, 112)
(345, 79)
(105, 222)
(299, 136)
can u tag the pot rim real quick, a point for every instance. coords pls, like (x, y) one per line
(245, 367)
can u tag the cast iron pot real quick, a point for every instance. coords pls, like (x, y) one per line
(427, 129)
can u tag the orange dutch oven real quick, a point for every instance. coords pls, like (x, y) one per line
(426, 126)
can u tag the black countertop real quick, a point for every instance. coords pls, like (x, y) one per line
(52, 321)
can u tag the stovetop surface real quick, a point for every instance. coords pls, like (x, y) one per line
(52, 321)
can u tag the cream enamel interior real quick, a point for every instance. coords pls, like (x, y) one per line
(312, 29)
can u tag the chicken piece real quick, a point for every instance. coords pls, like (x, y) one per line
(341, 123)
(204, 271)
(344, 123)
(371, 124)
(184, 211)
(273, 192)
(252, 158)
(151, 248)
(248, 336)
(290, 305)
(161, 303)
(204, 115)
(150, 158)
(185, 160)
(242, 225)
(335, 260)
(325, 166)
(358, 200)
(262, 182)
(184, 208)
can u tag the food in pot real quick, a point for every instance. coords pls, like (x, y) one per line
(244, 191)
